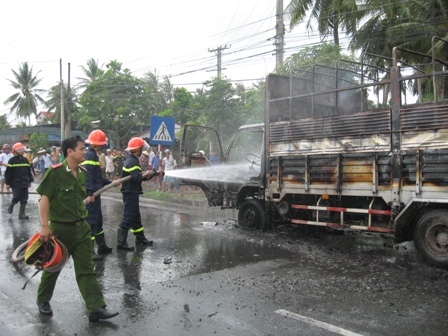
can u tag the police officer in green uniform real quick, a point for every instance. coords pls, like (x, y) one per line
(63, 190)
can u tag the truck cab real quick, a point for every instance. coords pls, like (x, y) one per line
(237, 180)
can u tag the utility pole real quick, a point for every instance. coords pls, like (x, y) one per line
(219, 55)
(62, 101)
(279, 35)
(68, 124)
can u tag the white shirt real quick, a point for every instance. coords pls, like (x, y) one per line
(169, 164)
(151, 156)
(47, 160)
(4, 158)
(110, 163)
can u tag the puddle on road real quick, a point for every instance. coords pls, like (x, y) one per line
(192, 242)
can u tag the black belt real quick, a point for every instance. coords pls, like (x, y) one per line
(77, 223)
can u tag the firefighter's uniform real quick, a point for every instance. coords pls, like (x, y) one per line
(18, 176)
(131, 191)
(95, 181)
(67, 213)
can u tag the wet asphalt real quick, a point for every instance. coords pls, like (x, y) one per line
(206, 276)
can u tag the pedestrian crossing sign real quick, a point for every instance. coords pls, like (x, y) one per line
(162, 131)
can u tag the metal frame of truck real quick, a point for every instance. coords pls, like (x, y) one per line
(328, 160)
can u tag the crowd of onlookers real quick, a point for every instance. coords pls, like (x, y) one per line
(111, 163)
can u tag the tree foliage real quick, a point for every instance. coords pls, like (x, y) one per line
(25, 101)
(37, 141)
(117, 102)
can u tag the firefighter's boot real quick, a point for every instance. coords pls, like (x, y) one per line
(102, 246)
(95, 256)
(140, 239)
(122, 236)
(11, 207)
(22, 212)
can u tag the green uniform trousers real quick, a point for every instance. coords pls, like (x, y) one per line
(78, 241)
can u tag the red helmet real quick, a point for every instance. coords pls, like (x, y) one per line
(136, 143)
(18, 147)
(97, 138)
(51, 255)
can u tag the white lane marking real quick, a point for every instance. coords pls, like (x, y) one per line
(317, 323)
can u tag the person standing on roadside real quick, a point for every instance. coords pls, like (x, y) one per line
(144, 161)
(30, 157)
(95, 181)
(4, 158)
(155, 166)
(168, 163)
(131, 191)
(46, 161)
(109, 164)
(54, 155)
(18, 176)
(62, 214)
(102, 159)
(119, 160)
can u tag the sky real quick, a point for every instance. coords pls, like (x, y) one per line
(173, 37)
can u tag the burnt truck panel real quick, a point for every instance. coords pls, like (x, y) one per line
(333, 155)
(331, 161)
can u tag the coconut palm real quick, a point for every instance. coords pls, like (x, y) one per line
(92, 71)
(25, 101)
(54, 101)
(331, 15)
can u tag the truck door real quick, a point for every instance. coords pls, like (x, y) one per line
(201, 148)
(198, 139)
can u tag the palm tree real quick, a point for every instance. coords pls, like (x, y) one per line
(92, 72)
(54, 101)
(4, 124)
(26, 100)
(409, 25)
(161, 91)
(331, 15)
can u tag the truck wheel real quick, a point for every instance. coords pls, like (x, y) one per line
(251, 215)
(431, 237)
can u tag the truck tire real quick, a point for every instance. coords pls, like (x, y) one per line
(251, 215)
(431, 238)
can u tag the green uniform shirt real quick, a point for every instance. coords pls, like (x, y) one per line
(66, 193)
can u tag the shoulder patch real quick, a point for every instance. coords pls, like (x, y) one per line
(83, 168)
(56, 165)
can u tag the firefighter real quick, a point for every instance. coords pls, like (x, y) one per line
(131, 191)
(95, 181)
(18, 176)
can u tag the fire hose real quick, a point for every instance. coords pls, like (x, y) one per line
(15, 255)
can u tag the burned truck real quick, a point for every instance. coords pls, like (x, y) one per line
(354, 147)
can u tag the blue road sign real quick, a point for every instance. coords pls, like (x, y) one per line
(162, 131)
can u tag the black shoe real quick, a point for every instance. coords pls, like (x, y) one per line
(101, 314)
(104, 249)
(125, 247)
(143, 241)
(45, 308)
(97, 256)
(11, 208)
